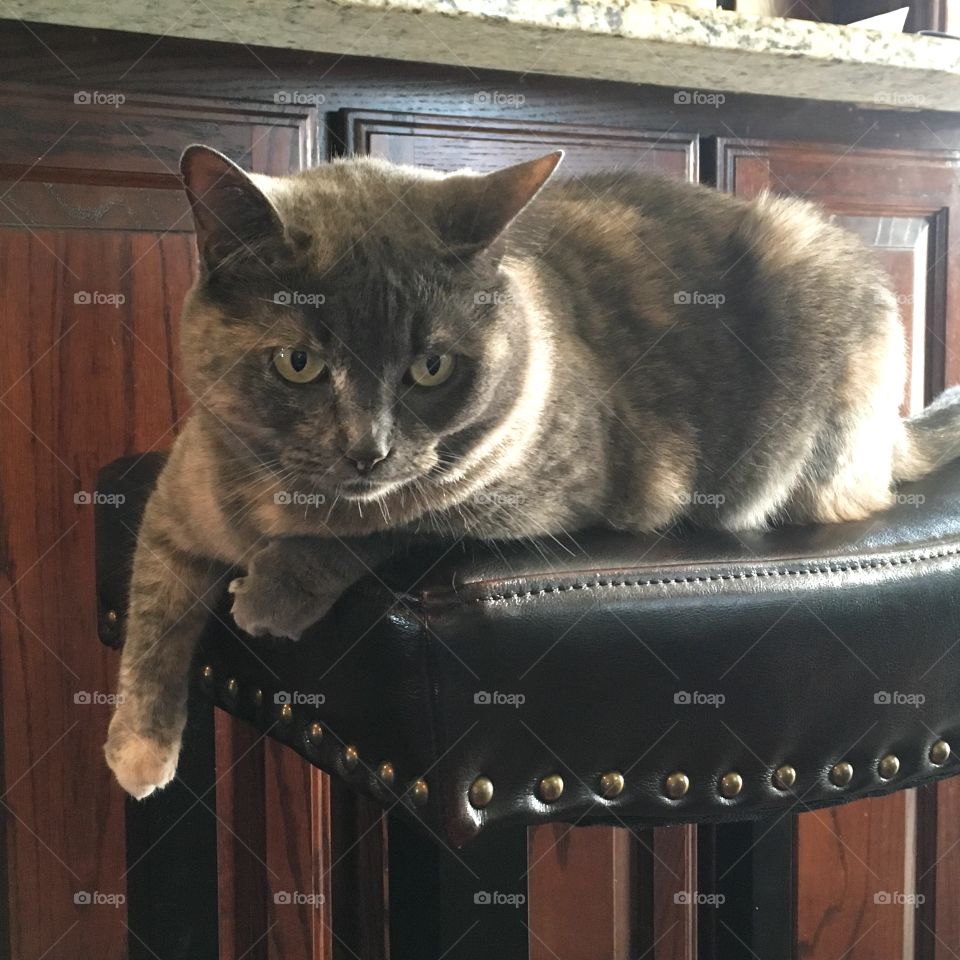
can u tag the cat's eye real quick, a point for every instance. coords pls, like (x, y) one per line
(432, 369)
(298, 364)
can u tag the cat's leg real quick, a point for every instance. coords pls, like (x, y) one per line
(171, 596)
(292, 582)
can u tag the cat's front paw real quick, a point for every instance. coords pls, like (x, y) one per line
(266, 606)
(140, 764)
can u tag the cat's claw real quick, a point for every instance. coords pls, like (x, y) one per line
(140, 764)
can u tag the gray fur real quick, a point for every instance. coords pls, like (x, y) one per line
(630, 351)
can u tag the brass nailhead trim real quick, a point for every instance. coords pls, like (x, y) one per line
(888, 767)
(481, 792)
(286, 713)
(841, 774)
(940, 753)
(420, 792)
(111, 616)
(731, 784)
(207, 673)
(257, 697)
(611, 784)
(676, 785)
(386, 773)
(549, 789)
(315, 733)
(232, 687)
(784, 777)
(351, 757)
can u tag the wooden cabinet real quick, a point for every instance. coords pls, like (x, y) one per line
(95, 256)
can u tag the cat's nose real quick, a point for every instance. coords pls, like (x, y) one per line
(367, 457)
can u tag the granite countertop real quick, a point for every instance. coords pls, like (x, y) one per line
(637, 41)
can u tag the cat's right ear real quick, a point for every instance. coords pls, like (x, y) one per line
(232, 215)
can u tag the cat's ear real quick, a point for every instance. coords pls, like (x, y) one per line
(232, 215)
(477, 209)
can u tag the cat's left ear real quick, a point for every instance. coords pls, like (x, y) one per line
(477, 209)
(233, 217)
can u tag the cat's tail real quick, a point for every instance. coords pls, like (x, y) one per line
(930, 439)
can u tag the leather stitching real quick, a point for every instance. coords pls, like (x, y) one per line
(845, 567)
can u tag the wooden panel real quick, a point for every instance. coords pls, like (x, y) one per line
(485, 143)
(940, 927)
(675, 893)
(94, 260)
(571, 867)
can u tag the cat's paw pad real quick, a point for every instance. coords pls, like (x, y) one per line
(140, 764)
(262, 607)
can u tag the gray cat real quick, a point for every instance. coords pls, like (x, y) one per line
(377, 351)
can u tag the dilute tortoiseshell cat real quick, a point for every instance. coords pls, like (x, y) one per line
(375, 350)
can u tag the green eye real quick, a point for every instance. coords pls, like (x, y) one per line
(298, 364)
(432, 370)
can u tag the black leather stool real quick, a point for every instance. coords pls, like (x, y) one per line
(697, 677)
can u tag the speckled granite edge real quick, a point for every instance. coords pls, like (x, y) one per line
(635, 41)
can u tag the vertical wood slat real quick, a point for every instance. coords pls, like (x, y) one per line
(585, 892)
(675, 888)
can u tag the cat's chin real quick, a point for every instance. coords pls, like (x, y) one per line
(362, 491)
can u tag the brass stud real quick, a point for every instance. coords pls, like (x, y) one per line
(207, 673)
(676, 785)
(841, 774)
(351, 757)
(386, 773)
(784, 777)
(420, 792)
(940, 753)
(315, 733)
(232, 687)
(286, 713)
(112, 617)
(481, 792)
(731, 784)
(257, 697)
(888, 767)
(549, 789)
(611, 784)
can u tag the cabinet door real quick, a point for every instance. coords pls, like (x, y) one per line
(872, 875)
(96, 254)
(637, 883)
(449, 143)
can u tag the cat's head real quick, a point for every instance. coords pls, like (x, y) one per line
(352, 325)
